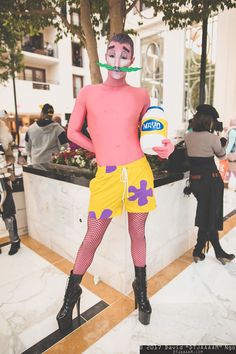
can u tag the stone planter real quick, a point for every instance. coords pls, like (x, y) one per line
(74, 169)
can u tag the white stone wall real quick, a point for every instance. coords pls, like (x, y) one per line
(225, 75)
(57, 217)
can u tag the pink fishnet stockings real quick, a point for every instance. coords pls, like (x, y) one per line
(95, 232)
(137, 234)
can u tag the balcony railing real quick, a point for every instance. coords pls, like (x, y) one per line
(38, 85)
(49, 49)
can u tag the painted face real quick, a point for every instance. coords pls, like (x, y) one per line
(119, 55)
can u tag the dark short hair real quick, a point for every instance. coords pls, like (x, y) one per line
(123, 38)
(206, 119)
(47, 110)
(207, 109)
(202, 122)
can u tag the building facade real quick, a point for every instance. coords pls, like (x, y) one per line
(170, 62)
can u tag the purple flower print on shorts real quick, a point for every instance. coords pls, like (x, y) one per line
(141, 193)
(106, 214)
(110, 169)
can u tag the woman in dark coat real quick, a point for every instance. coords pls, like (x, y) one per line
(205, 180)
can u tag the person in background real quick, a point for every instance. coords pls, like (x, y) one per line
(205, 181)
(5, 135)
(22, 153)
(44, 137)
(231, 149)
(124, 178)
(7, 204)
(48, 49)
(231, 137)
(22, 131)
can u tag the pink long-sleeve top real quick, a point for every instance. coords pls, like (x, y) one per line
(113, 115)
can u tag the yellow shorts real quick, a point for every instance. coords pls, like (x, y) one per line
(114, 187)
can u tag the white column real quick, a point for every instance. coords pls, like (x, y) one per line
(173, 95)
(225, 73)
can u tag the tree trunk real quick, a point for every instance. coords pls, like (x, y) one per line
(116, 13)
(16, 111)
(202, 91)
(91, 43)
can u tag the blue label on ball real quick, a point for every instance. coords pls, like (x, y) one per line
(152, 124)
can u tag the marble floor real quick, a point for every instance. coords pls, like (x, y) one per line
(198, 307)
(31, 292)
(192, 303)
(230, 199)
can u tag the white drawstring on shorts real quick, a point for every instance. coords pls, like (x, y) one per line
(124, 179)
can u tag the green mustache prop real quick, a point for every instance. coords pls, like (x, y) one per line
(124, 69)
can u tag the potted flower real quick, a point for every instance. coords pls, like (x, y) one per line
(77, 160)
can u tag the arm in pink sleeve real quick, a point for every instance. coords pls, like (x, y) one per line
(146, 104)
(76, 122)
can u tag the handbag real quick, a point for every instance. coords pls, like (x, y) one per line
(178, 160)
(224, 169)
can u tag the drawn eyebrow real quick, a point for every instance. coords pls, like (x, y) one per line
(126, 49)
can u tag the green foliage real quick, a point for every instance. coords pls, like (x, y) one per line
(19, 17)
(11, 61)
(10, 34)
(181, 13)
(29, 16)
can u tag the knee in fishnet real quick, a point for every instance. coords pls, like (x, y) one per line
(92, 239)
(93, 236)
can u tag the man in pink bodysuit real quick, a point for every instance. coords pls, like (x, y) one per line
(124, 178)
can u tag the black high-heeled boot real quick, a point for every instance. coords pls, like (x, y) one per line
(200, 246)
(15, 246)
(220, 254)
(72, 296)
(140, 294)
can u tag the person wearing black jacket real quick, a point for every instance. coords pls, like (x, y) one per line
(205, 180)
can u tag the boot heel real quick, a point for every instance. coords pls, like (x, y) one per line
(200, 257)
(135, 298)
(135, 301)
(78, 311)
(222, 256)
(221, 260)
(144, 317)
